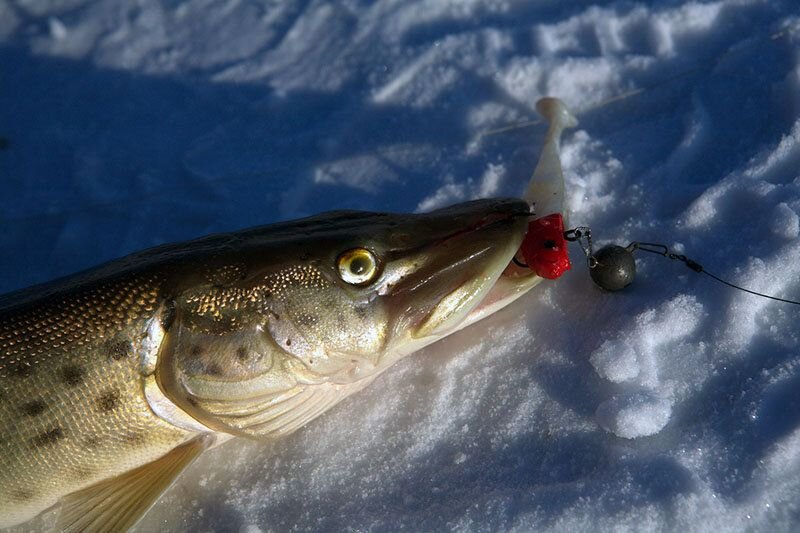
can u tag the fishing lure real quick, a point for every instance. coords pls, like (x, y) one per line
(544, 247)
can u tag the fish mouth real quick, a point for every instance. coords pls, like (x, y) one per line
(467, 273)
(513, 282)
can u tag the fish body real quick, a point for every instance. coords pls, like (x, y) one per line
(112, 381)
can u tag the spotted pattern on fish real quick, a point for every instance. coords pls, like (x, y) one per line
(72, 387)
(21, 495)
(108, 401)
(92, 442)
(134, 438)
(20, 369)
(33, 408)
(119, 349)
(81, 473)
(48, 437)
(72, 375)
(242, 354)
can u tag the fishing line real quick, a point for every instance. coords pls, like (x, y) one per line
(613, 267)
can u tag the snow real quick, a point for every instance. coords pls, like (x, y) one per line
(671, 405)
(630, 416)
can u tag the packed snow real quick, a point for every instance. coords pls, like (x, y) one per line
(672, 405)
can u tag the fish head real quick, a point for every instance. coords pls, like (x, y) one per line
(371, 288)
(337, 298)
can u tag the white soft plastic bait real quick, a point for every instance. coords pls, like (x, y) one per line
(544, 247)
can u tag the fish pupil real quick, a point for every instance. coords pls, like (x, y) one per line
(359, 265)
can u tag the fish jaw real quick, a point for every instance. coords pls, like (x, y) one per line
(506, 290)
(513, 283)
(490, 287)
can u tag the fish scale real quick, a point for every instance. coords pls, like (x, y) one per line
(86, 417)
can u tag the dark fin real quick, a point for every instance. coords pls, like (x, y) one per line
(117, 504)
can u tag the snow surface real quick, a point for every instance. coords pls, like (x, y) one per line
(674, 405)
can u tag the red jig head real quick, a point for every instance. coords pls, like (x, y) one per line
(545, 248)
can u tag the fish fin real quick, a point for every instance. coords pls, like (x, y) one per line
(116, 504)
(281, 414)
(318, 399)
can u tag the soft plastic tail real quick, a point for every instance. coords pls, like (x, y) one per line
(545, 191)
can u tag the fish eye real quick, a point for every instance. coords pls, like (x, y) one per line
(357, 266)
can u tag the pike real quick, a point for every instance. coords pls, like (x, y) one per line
(114, 380)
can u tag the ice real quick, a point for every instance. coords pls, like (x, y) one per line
(671, 405)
